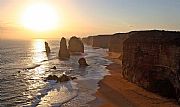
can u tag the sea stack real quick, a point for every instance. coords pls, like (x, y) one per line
(82, 62)
(47, 48)
(75, 45)
(63, 51)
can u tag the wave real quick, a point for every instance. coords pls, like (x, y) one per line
(49, 59)
(33, 66)
(55, 94)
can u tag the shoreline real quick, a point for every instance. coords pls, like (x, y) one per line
(115, 91)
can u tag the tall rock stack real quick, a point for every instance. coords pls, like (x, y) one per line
(47, 48)
(76, 45)
(63, 51)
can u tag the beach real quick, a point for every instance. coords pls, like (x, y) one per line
(115, 91)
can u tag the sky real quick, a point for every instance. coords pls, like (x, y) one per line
(92, 17)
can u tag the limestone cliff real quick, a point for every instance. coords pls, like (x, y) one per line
(116, 42)
(101, 41)
(151, 59)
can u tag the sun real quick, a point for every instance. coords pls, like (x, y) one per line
(40, 17)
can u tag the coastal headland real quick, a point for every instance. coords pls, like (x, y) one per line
(146, 67)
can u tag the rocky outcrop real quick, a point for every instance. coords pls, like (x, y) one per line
(75, 45)
(151, 59)
(63, 51)
(54, 67)
(47, 48)
(62, 78)
(82, 62)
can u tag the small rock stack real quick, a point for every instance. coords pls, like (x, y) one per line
(47, 48)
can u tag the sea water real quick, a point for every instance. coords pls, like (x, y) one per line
(24, 65)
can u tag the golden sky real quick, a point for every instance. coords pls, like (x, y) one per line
(27, 19)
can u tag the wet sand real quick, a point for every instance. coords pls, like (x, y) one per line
(115, 91)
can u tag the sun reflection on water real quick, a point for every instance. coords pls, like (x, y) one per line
(35, 75)
(39, 45)
(39, 53)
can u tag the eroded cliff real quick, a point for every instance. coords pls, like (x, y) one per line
(151, 59)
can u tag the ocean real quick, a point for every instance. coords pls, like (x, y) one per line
(24, 65)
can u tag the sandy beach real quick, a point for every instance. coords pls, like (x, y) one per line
(115, 91)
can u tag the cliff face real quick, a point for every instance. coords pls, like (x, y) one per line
(116, 42)
(101, 41)
(113, 42)
(151, 59)
(88, 40)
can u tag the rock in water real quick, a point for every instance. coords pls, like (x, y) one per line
(63, 51)
(76, 45)
(54, 67)
(47, 48)
(82, 62)
(63, 78)
(52, 77)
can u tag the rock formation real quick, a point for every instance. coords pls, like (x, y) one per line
(62, 78)
(113, 42)
(52, 77)
(54, 67)
(151, 60)
(88, 40)
(82, 62)
(63, 51)
(116, 42)
(101, 41)
(75, 45)
(47, 48)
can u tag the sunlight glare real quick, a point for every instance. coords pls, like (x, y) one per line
(40, 17)
(39, 51)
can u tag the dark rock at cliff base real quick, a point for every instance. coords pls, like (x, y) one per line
(54, 67)
(62, 78)
(76, 45)
(82, 62)
(48, 50)
(63, 51)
